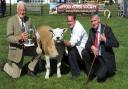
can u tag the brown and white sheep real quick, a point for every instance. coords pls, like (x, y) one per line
(52, 45)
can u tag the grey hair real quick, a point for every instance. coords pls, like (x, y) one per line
(21, 3)
(95, 15)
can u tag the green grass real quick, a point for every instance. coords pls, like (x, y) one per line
(119, 81)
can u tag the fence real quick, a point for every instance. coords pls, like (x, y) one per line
(35, 7)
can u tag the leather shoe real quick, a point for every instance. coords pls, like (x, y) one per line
(30, 73)
(101, 80)
(74, 77)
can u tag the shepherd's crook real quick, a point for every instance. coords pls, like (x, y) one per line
(107, 14)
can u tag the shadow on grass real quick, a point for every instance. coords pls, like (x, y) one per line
(40, 67)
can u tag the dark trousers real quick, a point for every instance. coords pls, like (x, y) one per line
(74, 58)
(99, 67)
(30, 51)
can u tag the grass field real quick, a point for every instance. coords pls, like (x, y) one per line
(119, 81)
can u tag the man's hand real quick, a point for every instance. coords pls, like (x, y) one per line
(67, 43)
(23, 36)
(102, 37)
(95, 50)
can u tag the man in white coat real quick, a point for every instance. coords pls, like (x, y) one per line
(75, 44)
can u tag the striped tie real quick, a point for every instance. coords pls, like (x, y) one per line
(23, 27)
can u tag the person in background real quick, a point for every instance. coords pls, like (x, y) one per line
(99, 48)
(17, 35)
(75, 44)
(3, 7)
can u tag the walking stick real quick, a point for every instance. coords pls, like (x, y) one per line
(90, 70)
(107, 14)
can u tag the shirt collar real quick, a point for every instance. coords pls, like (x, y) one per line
(99, 28)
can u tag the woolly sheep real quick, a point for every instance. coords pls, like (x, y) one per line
(51, 42)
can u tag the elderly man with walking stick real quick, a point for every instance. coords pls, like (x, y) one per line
(98, 53)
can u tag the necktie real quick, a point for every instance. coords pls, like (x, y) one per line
(96, 40)
(23, 27)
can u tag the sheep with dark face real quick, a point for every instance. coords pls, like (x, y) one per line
(51, 41)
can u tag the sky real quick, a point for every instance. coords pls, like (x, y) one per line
(12, 1)
(15, 1)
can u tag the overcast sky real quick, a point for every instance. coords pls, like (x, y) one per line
(12, 1)
(15, 1)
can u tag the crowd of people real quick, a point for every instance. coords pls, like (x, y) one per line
(93, 50)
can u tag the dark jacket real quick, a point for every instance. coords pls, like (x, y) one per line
(106, 47)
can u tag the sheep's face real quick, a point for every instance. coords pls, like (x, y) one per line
(57, 34)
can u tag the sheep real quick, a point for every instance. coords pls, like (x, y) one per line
(52, 45)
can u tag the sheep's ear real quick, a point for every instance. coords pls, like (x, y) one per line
(65, 30)
(50, 30)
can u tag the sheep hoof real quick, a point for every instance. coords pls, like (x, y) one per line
(59, 76)
(46, 77)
